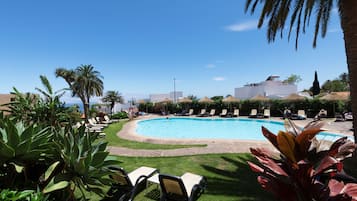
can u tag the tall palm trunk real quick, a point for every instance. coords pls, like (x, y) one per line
(112, 104)
(349, 27)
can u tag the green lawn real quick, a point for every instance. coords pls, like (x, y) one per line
(228, 175)
(111, 136)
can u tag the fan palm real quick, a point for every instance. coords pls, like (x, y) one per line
(113, 97)
(84, 82)
(277, 13)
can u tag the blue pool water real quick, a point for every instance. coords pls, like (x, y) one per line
(202, 128)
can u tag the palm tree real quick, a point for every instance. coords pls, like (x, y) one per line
(84, 82)
(300, 11)
(113, 97)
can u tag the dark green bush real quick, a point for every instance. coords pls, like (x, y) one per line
(120, 115)
(276, 106)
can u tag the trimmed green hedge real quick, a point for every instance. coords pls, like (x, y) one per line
(311, 107)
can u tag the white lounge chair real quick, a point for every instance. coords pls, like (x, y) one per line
(203, 113)
(301, 114)
(190, 112)
(107, 119)
(129, 183)
(266, 113)
(187, 187)
(97, 123)
(322, 113)
(253, 113)
(212, 112)
(236, 113)
(223, 113)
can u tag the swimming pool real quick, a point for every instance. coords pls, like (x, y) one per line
(205, 128)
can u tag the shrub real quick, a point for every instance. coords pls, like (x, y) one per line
(305, 171)
(83, 166)
(24, 153)
(26, 195)
(120, 115)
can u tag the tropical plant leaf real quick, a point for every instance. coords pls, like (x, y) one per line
(326, 163)
(50, 170)
(345, 150)
(304, 140)
(272, 165)
(18, 168)
(278, 188)
(314, 125)
(351, 190)
(336, 145)
(55, 186)
(262, 152)
(98, 158)
(286, 144)
(270, 136)
(292, 128)
(255, 168)
(12, 135)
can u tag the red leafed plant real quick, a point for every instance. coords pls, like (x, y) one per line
(304, 171)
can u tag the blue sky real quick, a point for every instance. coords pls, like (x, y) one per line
(209, 46)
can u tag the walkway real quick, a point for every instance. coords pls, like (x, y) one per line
(213, 146)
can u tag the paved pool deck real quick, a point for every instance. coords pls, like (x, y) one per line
(213, 145)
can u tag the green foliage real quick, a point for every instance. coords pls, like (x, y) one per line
(277, 13)
(311, 106)
(23, 152)
(84, 82)
(45, 110)
(315, 89)
(83, 165)
(65, 164)
(113, 97)
(217, 99)
(334, 86)
(293, 79)
(120, 115)
(26, 195)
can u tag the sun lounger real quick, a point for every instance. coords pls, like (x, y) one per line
(348, 116)
(323, 113)
(92, 124)
(266, 113)
(202, 113)
(183, 113)
(287, 113)
(190, 112)
(236, 113)
(127, 185)
(253, 113)
(188, 187)
(107, 119)
(339, 118)
(223, 113)
(212, 112)
(301, 114)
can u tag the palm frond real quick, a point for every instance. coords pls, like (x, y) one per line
(277, 14)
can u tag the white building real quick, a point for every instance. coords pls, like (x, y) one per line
(158, 97)
(174, 96)
(271, 87)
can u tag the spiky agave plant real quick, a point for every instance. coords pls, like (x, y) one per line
(303, 171)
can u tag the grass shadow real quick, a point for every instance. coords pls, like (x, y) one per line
(239, 182)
